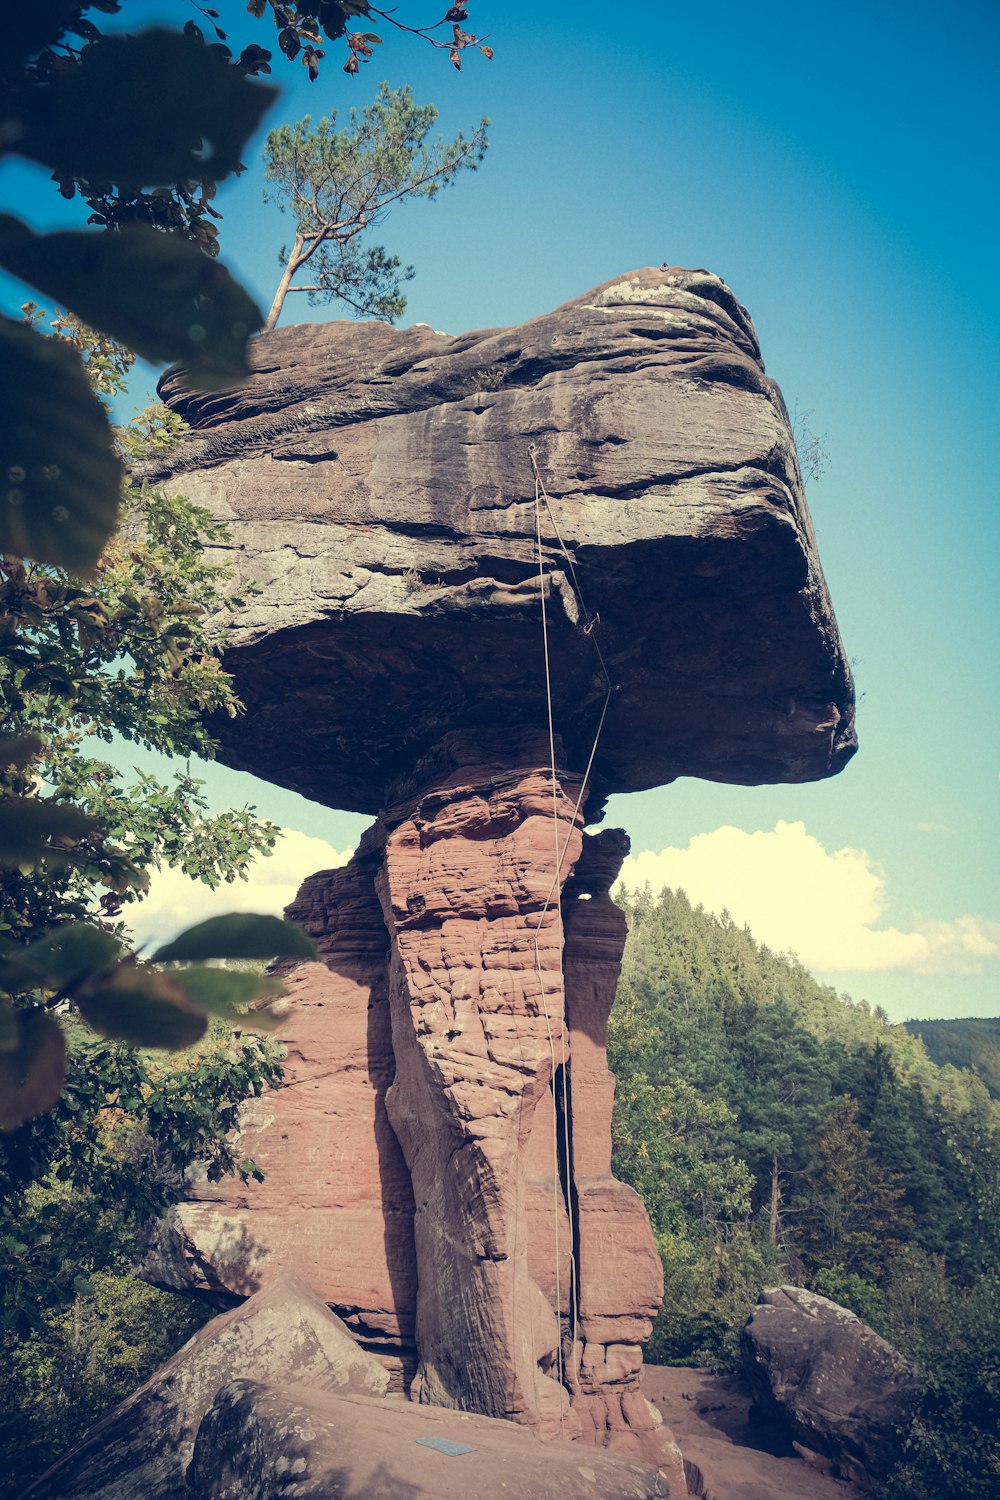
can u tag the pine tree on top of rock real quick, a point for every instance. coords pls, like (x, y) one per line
(338, 184)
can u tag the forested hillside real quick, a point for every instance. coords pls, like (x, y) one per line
(972, 1042)
(780, 1131)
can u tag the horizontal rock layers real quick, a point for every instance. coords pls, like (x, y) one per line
(379, 490)
(142, 1448)
(486, 582)
(274, 1399)
(470, 895)
(448, 1188)
(264, 1441)
(336, 1204)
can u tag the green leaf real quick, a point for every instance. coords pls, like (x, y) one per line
(227, 992)
(238, 935)
(144, 1008)
(198, 314)
(19, 750)
(143, 111)
(28, 823)
(67, 954)
(59, 478)
(32, 1074)
(289, 43)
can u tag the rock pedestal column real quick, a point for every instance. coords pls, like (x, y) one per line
(438, 1157)
(619, 1275)
(471, 899)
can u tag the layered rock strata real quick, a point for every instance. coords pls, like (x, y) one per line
(142, 1448)
(470, 895)
(271, 1442)
(493, 579)
(449, 1192)
(274, 1399)
(620, 1280)
(378, 487)
(336, 1206)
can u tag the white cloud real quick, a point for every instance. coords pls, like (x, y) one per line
(825, 906)
(175, 901)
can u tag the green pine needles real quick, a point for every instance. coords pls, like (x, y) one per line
(339, 184)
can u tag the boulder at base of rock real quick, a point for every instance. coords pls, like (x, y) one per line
(262, 1442)
(141, 1449)
(841, 1389)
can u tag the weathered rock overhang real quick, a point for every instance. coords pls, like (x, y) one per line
(379, 490)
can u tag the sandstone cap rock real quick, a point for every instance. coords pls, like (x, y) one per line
(379, 489)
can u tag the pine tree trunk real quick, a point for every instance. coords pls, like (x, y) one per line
(286, 280)
(775, 1199)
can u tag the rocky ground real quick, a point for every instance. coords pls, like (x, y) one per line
(726, 1457)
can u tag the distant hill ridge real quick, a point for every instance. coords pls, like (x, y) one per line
(970, 1042)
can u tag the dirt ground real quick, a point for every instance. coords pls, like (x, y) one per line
(726, 1455)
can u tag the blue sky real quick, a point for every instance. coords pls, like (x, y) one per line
(838, 167)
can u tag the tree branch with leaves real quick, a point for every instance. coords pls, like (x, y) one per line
(338, 185)
(124, 652)
(76, 101)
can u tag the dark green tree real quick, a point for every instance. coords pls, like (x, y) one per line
(76, 101)
(886, 1197)
(850, 1209)
(972, 1042)
(953, 1447)
(677, 1149)
(126, 651)
(781, 1089)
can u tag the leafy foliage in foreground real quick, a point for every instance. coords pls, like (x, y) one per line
(84, 114)
(77, 103)
(89, 1355)
(780, 1131)
(78, 1187)
(125, 653)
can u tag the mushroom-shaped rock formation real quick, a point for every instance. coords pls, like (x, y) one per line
(380, 493)
(598, 513)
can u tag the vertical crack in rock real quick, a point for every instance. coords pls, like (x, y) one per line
(618, 1267)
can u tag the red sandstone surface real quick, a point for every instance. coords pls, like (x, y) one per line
(726, 1456)
(437, 1163)
(382, 506)
(438, 1159)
